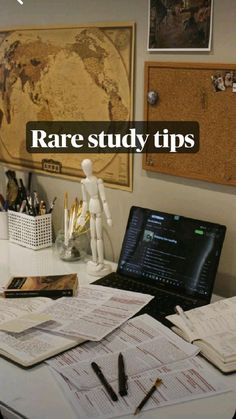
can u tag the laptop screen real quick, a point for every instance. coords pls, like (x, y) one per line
(171, 251)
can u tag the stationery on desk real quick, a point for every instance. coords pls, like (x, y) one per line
(153, 355)
(152, 390)
(94, 313)
(123, 385)
(21, 199)
(104, 381)
(71, 217)
(3, 206)
(213, 329)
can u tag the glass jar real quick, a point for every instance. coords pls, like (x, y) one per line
(77, 247)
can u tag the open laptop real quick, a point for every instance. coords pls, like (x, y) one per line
(171, 257)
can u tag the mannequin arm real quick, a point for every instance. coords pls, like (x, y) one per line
(104, 201)
(81, 219)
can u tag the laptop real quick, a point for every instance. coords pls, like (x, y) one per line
(171, 257)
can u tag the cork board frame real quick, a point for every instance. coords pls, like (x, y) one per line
(186, 93)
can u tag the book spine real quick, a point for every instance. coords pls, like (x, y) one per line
(39, 293)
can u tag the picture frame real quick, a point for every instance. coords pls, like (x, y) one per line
(180, 25)
(39, 82)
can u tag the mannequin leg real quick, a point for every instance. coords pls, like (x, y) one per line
(100, 247)
(96, 267)
(93, 242)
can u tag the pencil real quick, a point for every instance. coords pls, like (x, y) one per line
(148, 396)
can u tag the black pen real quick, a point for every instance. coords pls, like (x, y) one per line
(29, 182)
(104, 381)
(122, 376)
(52, 205)
(148, 396)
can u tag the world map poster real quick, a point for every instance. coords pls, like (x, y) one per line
(82, 73)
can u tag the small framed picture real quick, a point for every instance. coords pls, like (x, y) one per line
(180, 25)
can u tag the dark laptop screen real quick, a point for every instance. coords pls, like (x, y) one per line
(172, 251)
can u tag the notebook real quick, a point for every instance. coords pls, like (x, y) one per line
(171, 257)
(213, 329)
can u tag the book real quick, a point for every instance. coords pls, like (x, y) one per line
(31, 346)
(213, 329)
(35, 329)
(52, 286)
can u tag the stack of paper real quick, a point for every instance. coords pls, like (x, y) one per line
(33, 330)
(150, 351)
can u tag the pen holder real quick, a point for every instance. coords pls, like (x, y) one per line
(76, 249)
(3, 225)
(28, 231)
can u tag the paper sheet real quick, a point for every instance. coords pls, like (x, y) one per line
(130, 334)
(24, 323)
(148, 344)
(94, 313)
(12, 308)
(183, 381)
(145, 357)
(138, 330)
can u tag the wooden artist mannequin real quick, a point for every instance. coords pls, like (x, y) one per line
(94, 200)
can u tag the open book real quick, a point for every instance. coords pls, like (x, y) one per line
(24, 344)
(213, 329)
(35, 329)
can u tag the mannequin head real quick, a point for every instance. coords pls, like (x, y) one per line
(87, 167)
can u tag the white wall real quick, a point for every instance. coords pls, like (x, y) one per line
(177, 195)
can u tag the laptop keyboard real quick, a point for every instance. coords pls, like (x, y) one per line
(162, 305)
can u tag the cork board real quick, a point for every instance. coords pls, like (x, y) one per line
(186, 93)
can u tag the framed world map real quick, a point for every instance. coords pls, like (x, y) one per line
(82, 73)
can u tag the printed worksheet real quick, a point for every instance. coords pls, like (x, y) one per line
(94, 313)
(145, 357)
(182, 381)
(135, 331)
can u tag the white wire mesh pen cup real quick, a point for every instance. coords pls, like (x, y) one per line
(28, 231)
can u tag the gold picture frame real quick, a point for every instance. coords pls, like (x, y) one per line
(66, 73)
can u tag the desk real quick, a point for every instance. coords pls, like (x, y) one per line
(36, 395)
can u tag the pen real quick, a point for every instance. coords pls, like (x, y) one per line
(24, 194)
(72, 220)
(184, 317)
(36, 203)
(66, 218)
(42, 208)
(29, 182)
(2, 203)
(23, 205)
(104, 381)
(52, 205)
(122, 376)
(148, 396)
